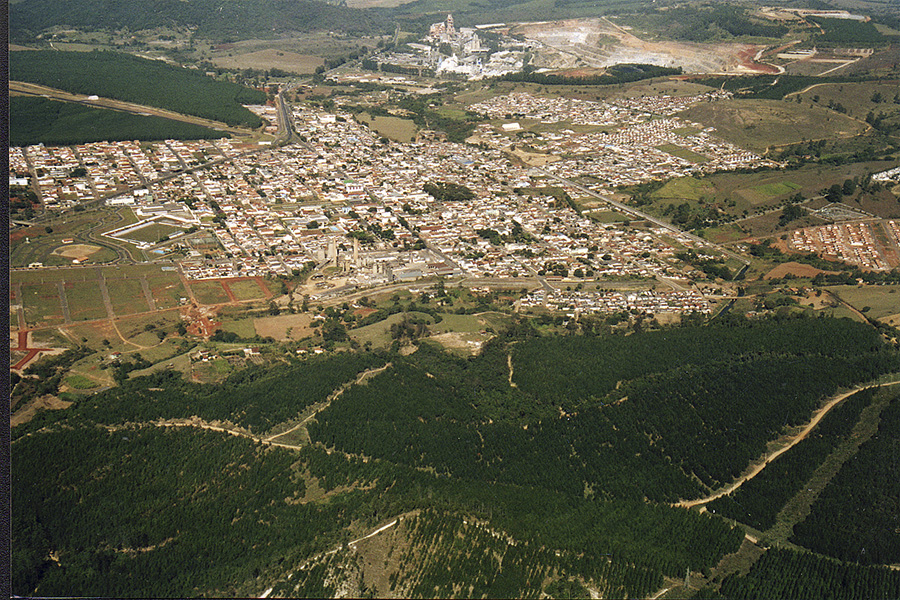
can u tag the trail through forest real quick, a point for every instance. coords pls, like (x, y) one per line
(799, 437)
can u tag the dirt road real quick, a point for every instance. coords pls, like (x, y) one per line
(793, 442)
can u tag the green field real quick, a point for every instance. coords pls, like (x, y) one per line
(44, 121)
(132, 79)
(209, 292)
(684, 153)
(882, 300)
(395, 128)
(379, 334)
(245, 289)
(607, 216)
(80, 382)
(85, 301)
(768, 191)
(243, 327)
(686, 188)
(127, 296)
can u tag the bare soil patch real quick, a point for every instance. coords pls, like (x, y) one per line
(78, 251)
(792, 268)
(27, 412)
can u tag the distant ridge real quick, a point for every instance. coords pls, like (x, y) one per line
(219, 19)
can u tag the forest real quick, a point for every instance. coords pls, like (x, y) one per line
(782, 573)
(759, 501)
(140, 80)
(857, 516)
(621, 73)
(43, 121)
(628, 417)
(568, 486)
(224, 21)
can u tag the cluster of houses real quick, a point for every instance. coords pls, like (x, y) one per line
(854, 243)
(647, 142)
(352, 201)
(575, 303)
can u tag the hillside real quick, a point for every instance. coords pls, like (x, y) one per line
(375, 473)
(43, 121)
(133, 79)
(237, 19)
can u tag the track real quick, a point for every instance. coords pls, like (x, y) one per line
(769, 459)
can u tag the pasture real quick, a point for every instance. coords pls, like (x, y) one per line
(688, 155)
(85, 301)
(281, 327)
(395, 128)
(285, 60)
(761, 124)
(127, 296)
(882, 301)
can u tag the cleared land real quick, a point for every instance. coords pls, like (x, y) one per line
(283, 327)
(246, 289)
(209, 292)
(395, 128)
(883, 302)
(761, 124)
(285, 60)
(85, 301)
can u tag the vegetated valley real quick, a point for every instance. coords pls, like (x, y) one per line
(546, 466)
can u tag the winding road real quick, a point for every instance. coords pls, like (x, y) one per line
(799, 437)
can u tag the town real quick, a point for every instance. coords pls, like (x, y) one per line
(364, 211)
